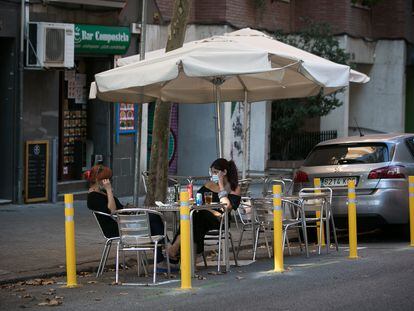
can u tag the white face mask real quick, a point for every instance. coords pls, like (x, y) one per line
(215, 178)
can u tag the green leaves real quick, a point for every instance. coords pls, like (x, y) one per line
(289, 115)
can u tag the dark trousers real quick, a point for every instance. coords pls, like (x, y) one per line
(157, 228)
(203, 221)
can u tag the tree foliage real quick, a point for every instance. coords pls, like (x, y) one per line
(289, 115)
(158, 170)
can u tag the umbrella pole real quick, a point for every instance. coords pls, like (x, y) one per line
(219, 143)
(245, 136)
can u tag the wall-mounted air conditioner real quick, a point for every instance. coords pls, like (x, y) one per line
(50, 45)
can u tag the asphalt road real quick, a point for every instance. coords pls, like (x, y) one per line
(381, 279)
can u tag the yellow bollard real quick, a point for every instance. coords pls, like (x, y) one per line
(411, 198)
(70, 242)
(277, 228)
(317, 184)
(352, 223)
(185, 241)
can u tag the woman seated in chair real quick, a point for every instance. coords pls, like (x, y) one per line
(225, 189)
(101, 199)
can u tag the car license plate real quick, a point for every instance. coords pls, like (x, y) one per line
(337, 181)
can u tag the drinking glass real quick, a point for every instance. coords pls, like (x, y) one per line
(208, 197)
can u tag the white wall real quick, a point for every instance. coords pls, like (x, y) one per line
(259, 135)
(379, 105)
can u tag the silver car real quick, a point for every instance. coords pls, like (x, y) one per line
(380, 166)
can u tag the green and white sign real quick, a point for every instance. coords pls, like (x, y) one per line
(95, 39)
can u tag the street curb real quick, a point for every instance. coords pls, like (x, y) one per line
(82, 267)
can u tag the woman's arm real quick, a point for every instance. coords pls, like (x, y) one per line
(111, 201)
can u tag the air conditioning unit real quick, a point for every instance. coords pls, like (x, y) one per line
(50, 45)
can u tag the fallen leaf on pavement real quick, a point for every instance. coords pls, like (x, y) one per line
(27, 296)
(50, 302)
(123, 293)
(34, 282)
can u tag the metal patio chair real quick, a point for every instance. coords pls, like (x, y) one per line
(318, 199)
(218, 235)
(135, 235)
(108, 240)
(263, 211)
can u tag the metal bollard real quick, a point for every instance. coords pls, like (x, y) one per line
(352, 223)
(317, 184)
(70, 242)
(185, 241)
(411, 198)
(277, 228)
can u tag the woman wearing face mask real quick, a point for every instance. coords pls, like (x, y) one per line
(225, 189)
(102, 199)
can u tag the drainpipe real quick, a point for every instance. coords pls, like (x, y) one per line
(137, 177)
(19, 110)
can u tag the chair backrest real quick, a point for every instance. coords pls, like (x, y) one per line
(133, 225)
(107, 224)
(263, 210)
(311, 203)
(244, 185)
(245, 211)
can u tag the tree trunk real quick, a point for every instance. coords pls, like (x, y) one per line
(158, 172)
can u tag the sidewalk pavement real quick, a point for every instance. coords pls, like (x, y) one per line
(32, 239)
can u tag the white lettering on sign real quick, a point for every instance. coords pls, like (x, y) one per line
(119, 37)
(86, 35)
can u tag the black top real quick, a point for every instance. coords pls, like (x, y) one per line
(99, 202)
(233, 198)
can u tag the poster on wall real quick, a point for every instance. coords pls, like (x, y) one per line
(126, 117)
(126, 114)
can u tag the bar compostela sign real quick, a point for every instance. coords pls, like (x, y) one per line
(95, 39)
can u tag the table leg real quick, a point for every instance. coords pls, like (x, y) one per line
(328, 235)
(226, 241)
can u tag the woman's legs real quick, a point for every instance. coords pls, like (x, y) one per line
(203, 221)
(157, 228)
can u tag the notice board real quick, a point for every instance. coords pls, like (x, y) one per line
(37, 171)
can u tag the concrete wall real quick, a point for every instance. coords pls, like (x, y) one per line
(379, 105)
(41, 109)
(196, 139)
(259, 135)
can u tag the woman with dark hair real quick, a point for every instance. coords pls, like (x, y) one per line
(102, 199)
(225, 189)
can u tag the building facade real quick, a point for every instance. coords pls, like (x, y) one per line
(55, 107)
(379, 40)
(56, 110)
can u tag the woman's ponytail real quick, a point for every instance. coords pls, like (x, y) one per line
(232, 175)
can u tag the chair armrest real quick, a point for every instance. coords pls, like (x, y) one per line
(105, 214)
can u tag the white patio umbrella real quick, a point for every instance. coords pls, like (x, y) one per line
(245, 65)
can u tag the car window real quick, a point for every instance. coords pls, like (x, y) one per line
(348, 154)
(410, 144)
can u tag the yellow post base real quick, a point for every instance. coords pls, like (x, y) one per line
(70, 242)
(277, 228)
(185, 241)
(352, 221)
